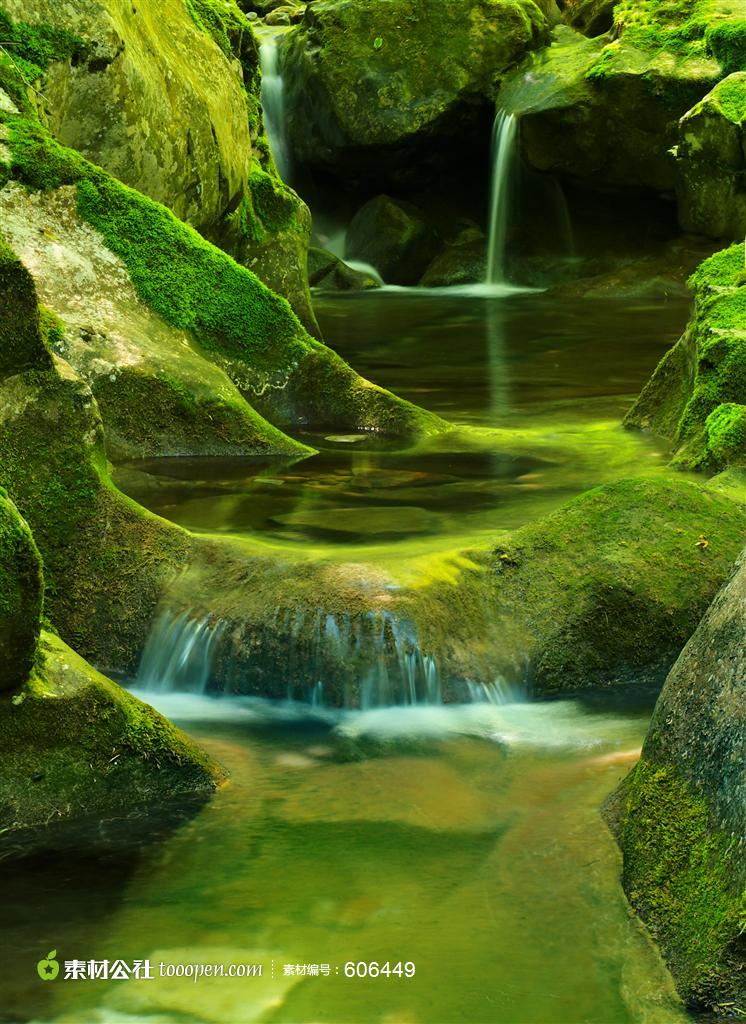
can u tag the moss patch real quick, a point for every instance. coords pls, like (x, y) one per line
(680, 875)
(727, 43)
(27, 50)
(21, 597)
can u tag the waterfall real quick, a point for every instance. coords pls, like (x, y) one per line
(179, 653)
(273, 105)
(504, 136)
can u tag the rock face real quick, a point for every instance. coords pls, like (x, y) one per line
(393, 237)
(697, 395)
(683, 810)
(711, 162)
(591, 17)
(565, 93)
(21, 596)
(141, 72)
(392, 90)
(329, 273)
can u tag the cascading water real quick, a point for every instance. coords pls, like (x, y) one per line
(504, 136)
(273, 105)
(179, 653)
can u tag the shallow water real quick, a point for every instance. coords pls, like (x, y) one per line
(466, 841)
(539, 385)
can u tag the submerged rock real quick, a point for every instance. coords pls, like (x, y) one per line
(681, 815)
(697, 395)
(711, 162)
(393, 90)
(393, 236)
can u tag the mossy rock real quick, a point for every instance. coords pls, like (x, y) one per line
(21, 343)
(395, 90)
(682, 811)
(607, 590)
(711, 162)
(706, 369)
(329, 273)
(21, 597)
(393, 237)
(77, 747)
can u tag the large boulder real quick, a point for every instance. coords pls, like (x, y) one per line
(140, 72)
(21, 597)
(391, 91)
(711, 162)
(646, 76)
(698, 391)
(681, 814)
(393, 237)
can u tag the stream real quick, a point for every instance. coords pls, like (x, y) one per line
(458, 844)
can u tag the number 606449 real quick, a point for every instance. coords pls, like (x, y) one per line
(374, 969)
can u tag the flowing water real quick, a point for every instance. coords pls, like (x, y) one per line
(458, 844)
(504, 157)
(273, 104)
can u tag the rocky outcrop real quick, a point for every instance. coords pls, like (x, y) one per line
(591, 17)
(697, 395)
(394, 237)
(394, 91)
(463, 260)
(711, 162)
(141, 71)
(681, 814)
(656, 67)
(21, 596)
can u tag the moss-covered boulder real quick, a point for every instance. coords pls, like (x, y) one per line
(694, 396)
(394, 237)
(681, 814)
(605, 112)
(394, 90)
(711, 162)
(21, 344)
(608, 589)
(21, 597)
(119, 82)
(77, 748)
(463, 260)
(591, 17)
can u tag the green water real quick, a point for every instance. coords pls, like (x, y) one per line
(466, 841)
(538, 385)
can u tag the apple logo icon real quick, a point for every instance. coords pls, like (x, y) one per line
(48, 969)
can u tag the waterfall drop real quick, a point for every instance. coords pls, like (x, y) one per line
(179, 653)
(504, 136)
(273, 105)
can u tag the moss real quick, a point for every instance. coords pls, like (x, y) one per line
(680, 875)
(609, 588)
(730, 96)
(27, 50)
(75, 745)
(221, 19)
(269, 208)
(21, 597)
(727, 43)
(726, 433)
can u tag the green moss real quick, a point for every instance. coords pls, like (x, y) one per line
(269, 208)
(730, 95)
(27, 50)
(679, 874)
(221, 19)
(726, 433)
(609, 588)
(21, 597)
(727, 43)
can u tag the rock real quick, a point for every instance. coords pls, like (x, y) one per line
(396, 91)
(606, 590)
(681, 814)
(564, 94)
(591, 17)
(157, 394)
(79, 749)
(705, 370)
(21, 597)
(21, 343)
(142, 74)
(463, 261)
(711, 162)
(329, 273)
(394, 237)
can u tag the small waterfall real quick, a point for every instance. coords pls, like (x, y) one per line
(179, 653)
(273, 105)
(504, 136)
